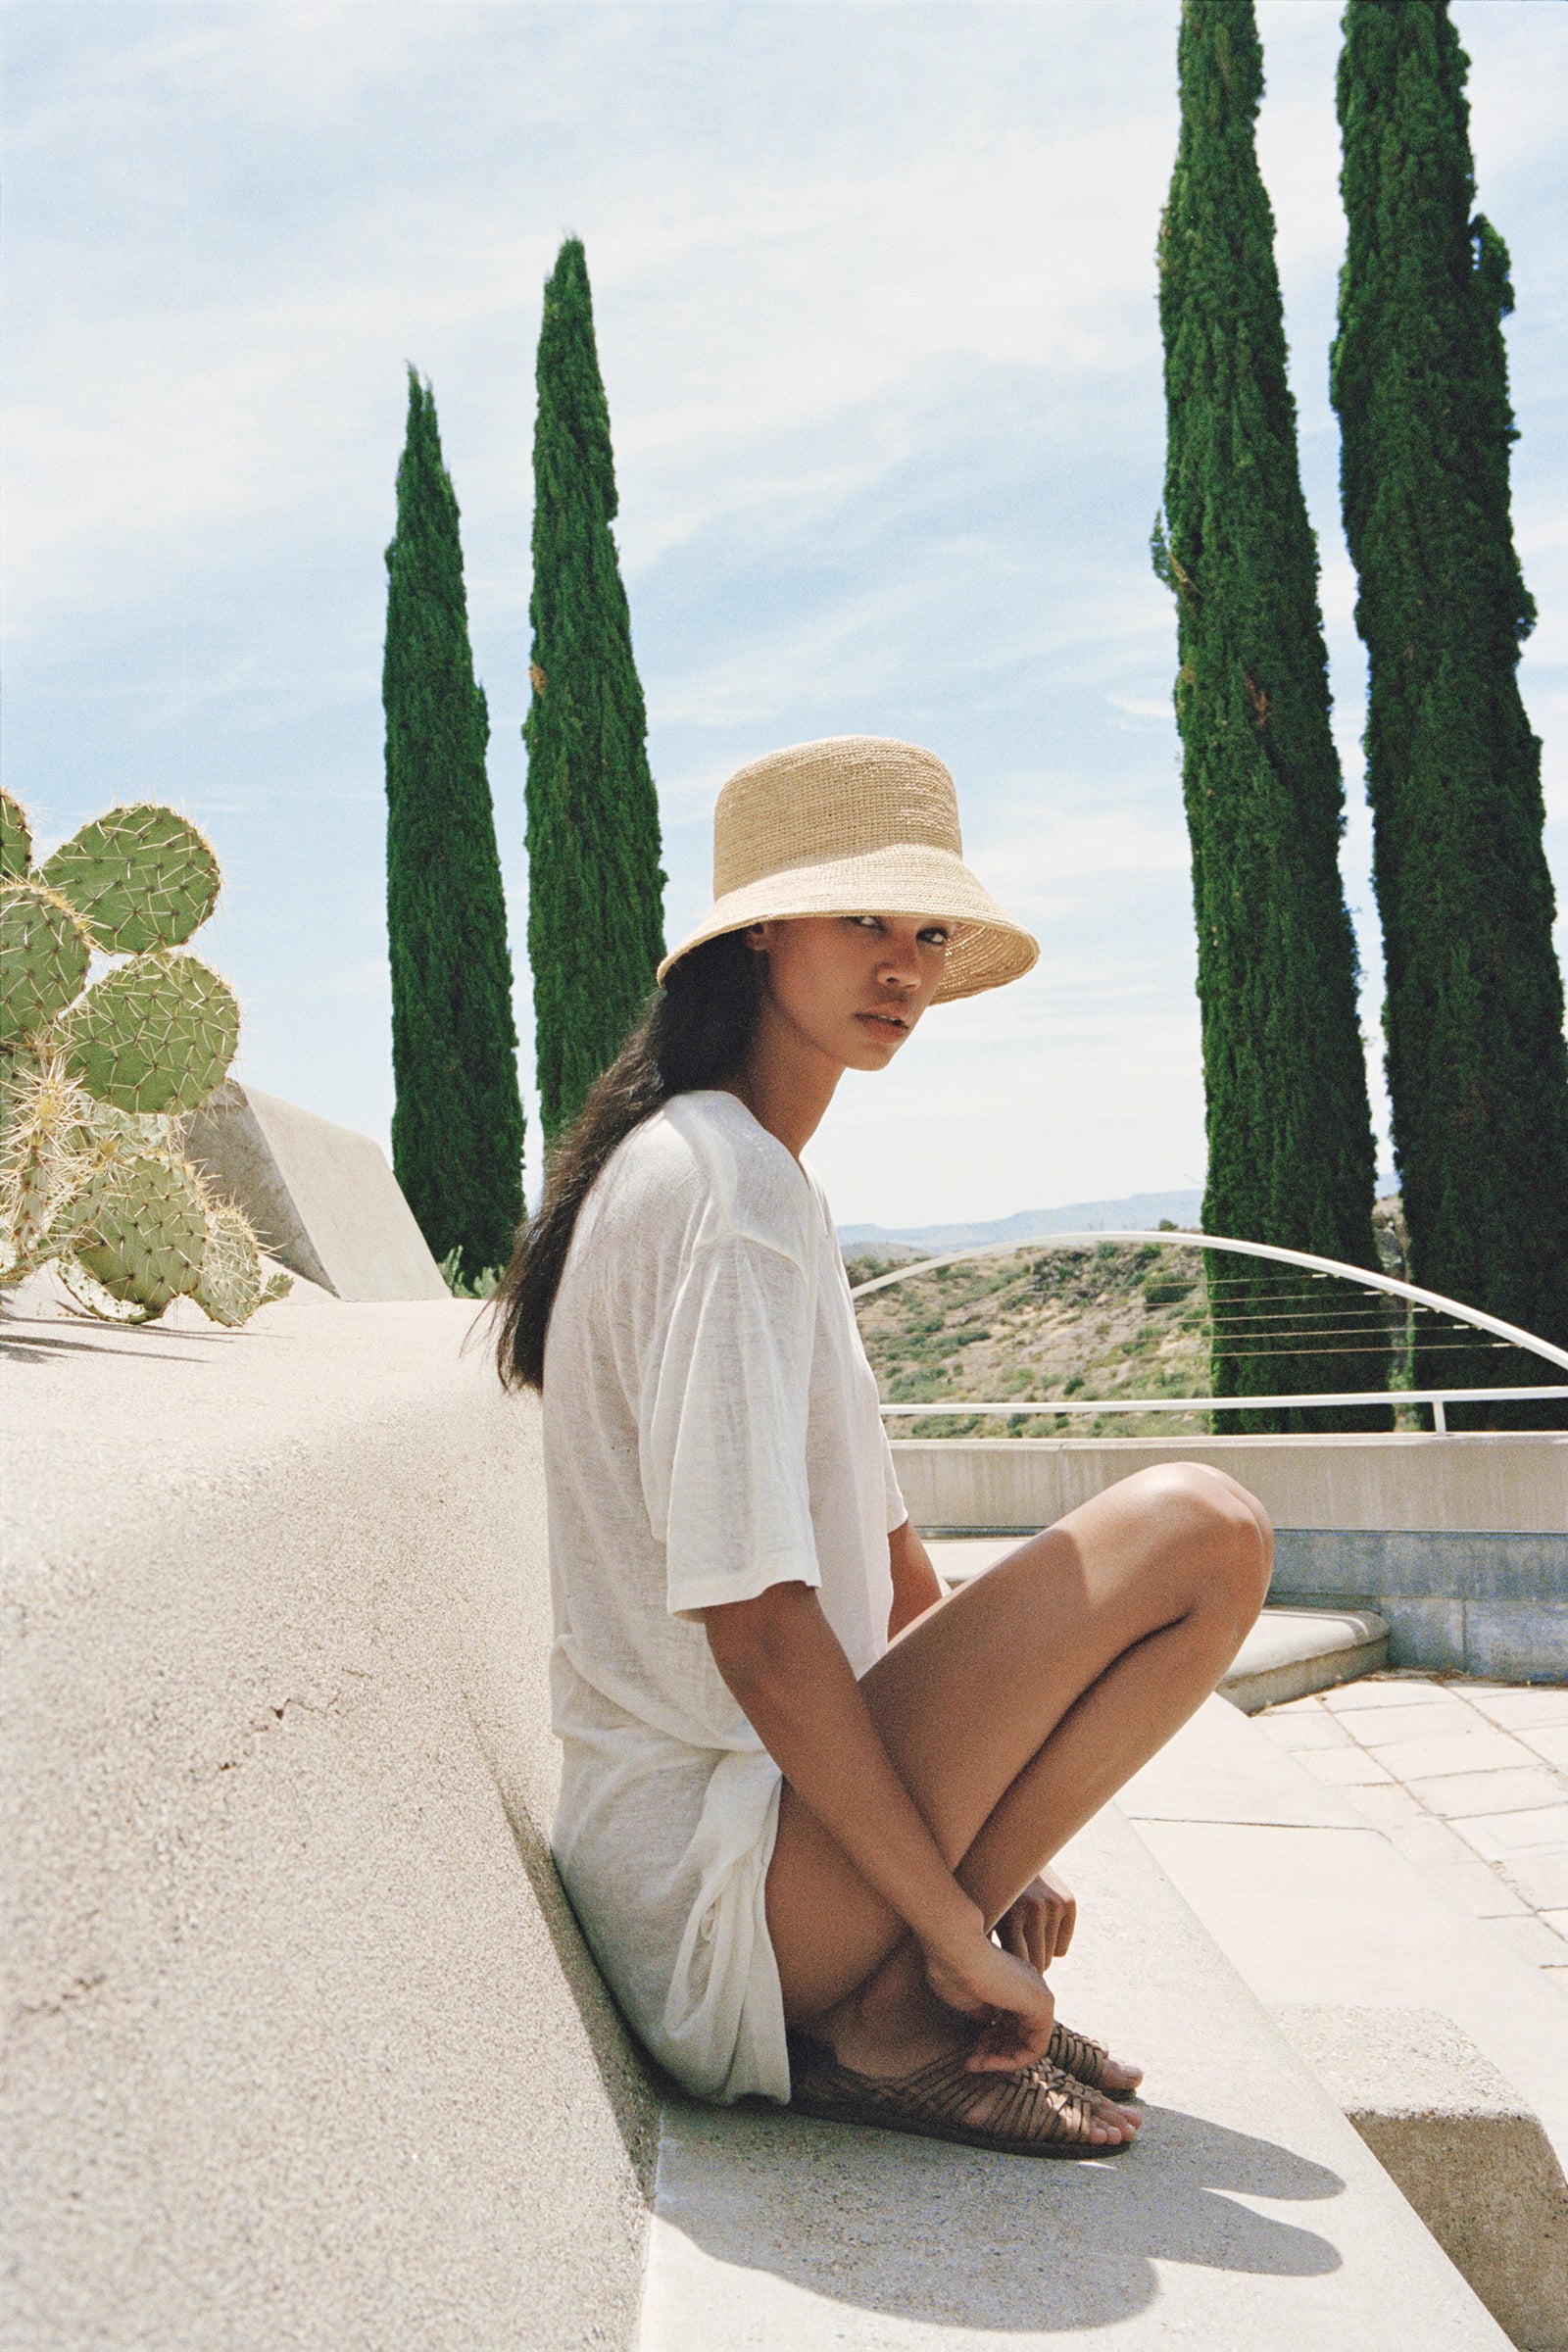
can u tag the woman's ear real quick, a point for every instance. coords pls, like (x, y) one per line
(757, 937)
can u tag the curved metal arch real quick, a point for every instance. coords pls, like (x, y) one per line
(1182, 1240)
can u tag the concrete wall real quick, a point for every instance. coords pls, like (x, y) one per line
(1461, 1543)
(321, 1197)
(304, 2050)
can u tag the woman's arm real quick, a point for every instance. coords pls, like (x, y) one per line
(916, 1587)
(782, 1661)
(1037, 1927)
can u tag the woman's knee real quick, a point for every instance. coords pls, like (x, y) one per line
(1218, 1529)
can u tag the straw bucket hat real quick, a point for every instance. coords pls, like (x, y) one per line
(856, 825)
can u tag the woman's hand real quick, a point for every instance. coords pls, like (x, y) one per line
(1005, 1996)
(1037, 1927)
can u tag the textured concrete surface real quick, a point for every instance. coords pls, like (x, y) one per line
(1316, 1908)
(304, 2051)
(1469, 1779)
(1461, 2144)
(1460, 1543)
(1290, 1653)
(1474, 1482)
(1465, 1602)
(1248, 2215)
(321, 1196)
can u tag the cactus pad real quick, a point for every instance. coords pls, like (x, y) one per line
(230, 1287)
(144, 1233)
(15, 838)
(140, 878)
(44, 953)
(157, 1035)
(46, 1155)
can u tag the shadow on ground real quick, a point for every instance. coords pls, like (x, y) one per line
(874, 2219)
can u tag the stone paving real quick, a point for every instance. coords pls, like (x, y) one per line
(1468, 1779)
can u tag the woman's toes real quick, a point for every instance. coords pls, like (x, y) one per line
(1107, 2110)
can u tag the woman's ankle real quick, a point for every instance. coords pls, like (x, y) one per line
(893, 2021)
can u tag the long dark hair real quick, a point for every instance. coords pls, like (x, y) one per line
(695, 1032)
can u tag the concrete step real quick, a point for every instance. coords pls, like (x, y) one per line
(1249, 2214)
(1288, 1654)
(1450, 2052)
(1292, 1652)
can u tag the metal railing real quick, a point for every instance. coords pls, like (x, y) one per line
(1439, 1399)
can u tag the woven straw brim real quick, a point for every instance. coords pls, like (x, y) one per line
(987, 949)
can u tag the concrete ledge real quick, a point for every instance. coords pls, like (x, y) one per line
(305, 2051)
(321, 1197)
(1292, 1652)
(1480, 1603)
(1513, 1483)
(1249, 2215)
(1519, 1641)
(1359, 1521)
(1461, 2145)
(1319, 1911)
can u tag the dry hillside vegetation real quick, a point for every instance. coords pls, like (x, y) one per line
(1122, 1318)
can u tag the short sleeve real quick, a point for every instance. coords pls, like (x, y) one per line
(723, 1428)
(898, 1508)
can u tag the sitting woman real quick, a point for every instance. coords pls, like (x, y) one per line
(808, 1804)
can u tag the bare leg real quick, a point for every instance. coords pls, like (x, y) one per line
(1011, 1713)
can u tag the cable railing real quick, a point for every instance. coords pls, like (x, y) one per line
(1230, 1319)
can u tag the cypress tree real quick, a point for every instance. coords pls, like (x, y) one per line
(595, 922)
(457, 1128)
(1290, 1132)
(1478, 1072)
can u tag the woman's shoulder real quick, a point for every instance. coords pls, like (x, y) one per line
(708, 1143)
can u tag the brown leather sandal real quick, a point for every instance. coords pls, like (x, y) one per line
(1084, 2059)
(1037, 2111)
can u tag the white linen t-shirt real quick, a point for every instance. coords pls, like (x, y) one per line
(712, 1425)
(711, 1428)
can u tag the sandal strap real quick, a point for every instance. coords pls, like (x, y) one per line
(1029, 2106)
(1078, 2055)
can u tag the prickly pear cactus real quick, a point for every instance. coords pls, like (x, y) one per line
(15, 838)
(139, 877)
(157, 1035)
(44, 953)
(144, 1230)
(93, 1081)
(231, 1286)
(48, 1156)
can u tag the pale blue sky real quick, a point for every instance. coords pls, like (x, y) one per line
(876, 314)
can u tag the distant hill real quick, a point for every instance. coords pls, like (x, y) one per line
(1140, 1212)
(1112, 1319)
(1125, 1319)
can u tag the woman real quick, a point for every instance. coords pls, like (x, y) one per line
(808, 1803)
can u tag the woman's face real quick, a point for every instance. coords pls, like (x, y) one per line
(852, 986)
